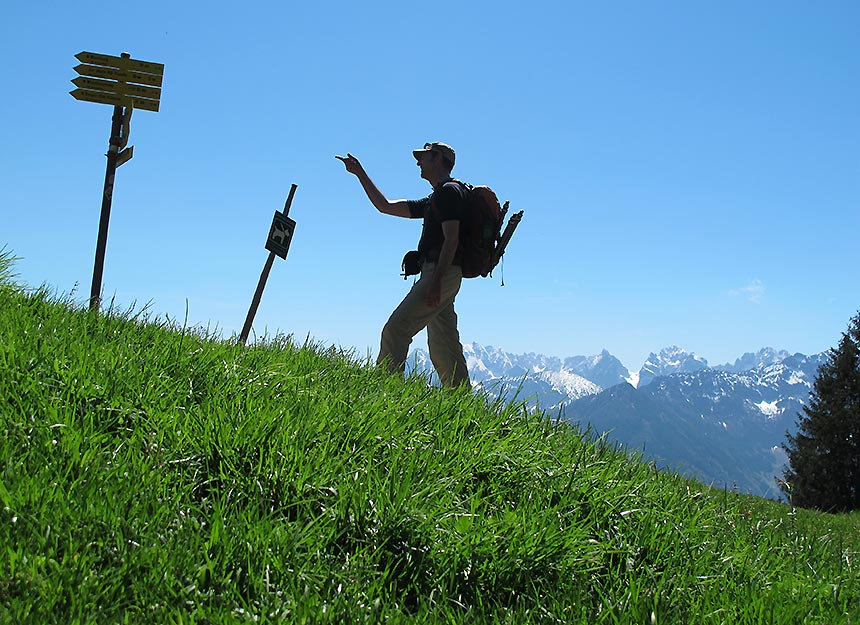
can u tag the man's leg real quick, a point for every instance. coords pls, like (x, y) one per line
(413, 315)
(407, 320)
(402, 325)
(446, 351)
(443, 338)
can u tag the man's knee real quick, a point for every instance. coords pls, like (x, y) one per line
(394, 345)
(395, 333)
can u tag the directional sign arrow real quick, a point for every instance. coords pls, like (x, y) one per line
(100, 97)
(104, 97)
(118, 74)
(125, 156)
(105, 60)
(153, 93)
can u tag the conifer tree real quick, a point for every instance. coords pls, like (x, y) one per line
(824, 455)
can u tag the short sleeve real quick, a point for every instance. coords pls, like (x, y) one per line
(418, 208)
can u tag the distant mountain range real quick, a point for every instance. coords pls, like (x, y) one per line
(723, 425)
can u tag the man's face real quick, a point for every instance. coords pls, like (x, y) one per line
(426, 162)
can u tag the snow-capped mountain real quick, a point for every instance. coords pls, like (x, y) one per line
(604, 369)
(724, 425)
(547, 381)
(765, 356)
(670, 360)
(720, 427)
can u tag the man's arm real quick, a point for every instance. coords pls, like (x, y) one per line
(398, 208)
(451, 232)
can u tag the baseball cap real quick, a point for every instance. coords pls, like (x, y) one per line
(444, 149)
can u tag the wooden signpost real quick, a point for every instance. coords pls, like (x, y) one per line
(278, 244)
(118, 80)
(127, 84)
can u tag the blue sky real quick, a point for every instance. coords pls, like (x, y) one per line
(689, 171)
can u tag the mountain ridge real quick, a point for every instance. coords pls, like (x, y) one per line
(723, 425)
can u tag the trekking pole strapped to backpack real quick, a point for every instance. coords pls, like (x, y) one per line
(513, 222)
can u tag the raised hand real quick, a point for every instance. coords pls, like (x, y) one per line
(351, 163)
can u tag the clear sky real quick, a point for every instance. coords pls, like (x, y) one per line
(689, 171)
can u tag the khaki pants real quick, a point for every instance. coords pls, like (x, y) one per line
(443, 338)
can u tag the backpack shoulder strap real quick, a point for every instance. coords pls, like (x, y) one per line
(465, 185)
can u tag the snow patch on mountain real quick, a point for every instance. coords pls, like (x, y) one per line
(768, 408)
(633, 379)
(571, 384)
(797, 377)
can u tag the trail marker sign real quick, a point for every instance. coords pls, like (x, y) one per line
(280, 234)
(127, 84)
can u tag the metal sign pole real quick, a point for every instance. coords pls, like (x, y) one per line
(280, 250)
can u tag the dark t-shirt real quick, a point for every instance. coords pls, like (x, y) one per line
(445, 203)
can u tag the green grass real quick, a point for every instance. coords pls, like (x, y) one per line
(153, 473)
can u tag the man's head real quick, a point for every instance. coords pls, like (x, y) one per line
(439, 153)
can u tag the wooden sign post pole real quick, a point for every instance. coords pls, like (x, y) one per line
(277, 247)
(126, 84)
(107, 199)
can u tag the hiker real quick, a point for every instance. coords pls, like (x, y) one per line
(430, 302)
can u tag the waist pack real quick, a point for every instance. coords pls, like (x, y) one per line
(411, 264)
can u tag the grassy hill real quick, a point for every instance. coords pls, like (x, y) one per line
(154, 474)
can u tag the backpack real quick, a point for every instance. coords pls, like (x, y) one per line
(481, 240)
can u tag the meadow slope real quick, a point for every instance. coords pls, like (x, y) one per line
(153, 473)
